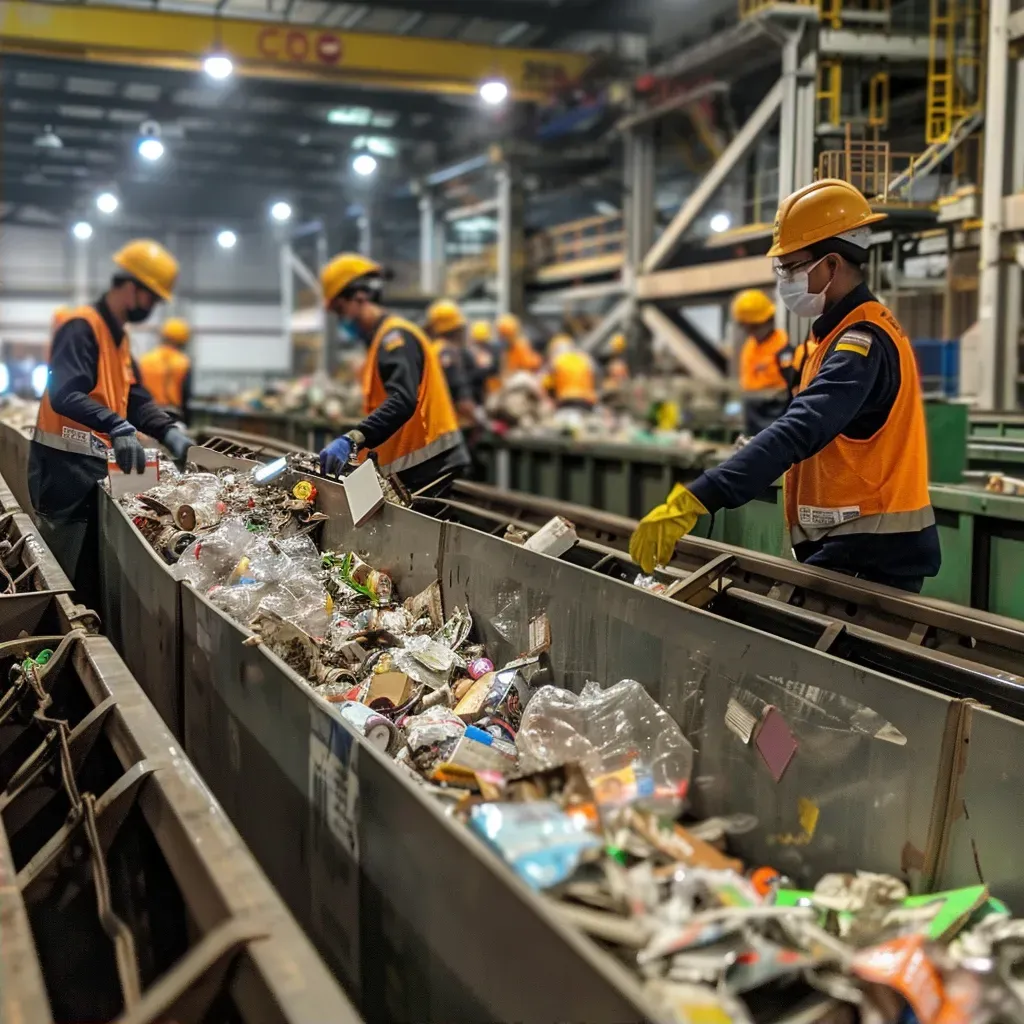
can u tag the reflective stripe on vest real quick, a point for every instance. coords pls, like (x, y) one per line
(114, 378)
(163, 371)
(433, 428)
(761, 366)
(572, 377)
(876, 485)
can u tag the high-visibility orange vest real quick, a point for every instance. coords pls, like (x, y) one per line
(572, 377)
(163, 371)
(762, 363)
(433, 427)
(522, 356)
(114, 378)
(875, 485)
(803, 350)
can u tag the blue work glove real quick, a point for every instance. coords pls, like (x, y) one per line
(177, 442)
(335, 456)
(128, 451)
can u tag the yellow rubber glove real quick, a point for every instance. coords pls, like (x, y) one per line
(655, 537)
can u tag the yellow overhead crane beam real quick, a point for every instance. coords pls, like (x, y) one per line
(275, 49)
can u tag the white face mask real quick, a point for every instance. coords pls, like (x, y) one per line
(796, 296)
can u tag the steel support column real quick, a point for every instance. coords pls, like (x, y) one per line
(639, 202)
(428, 244)
(787, 114)
(287, 293)
(81, 271)
(510, 242)
(737, 149)
(999, 291)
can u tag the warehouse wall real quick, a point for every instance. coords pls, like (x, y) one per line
(231, 297)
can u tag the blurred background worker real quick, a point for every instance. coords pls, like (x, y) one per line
(486, 361)
(167, 371)
(616, 368)
(571, 378)
(519, 353)
(766, 361)
(852, 442)
(410, 421)
(94, 401)
(446, 327)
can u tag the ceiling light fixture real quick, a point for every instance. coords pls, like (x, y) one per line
(151, 149)
(106, 202)
(82, 231)
(48, 139)
(226, 239)
(218, 66)
(720, 222)
(494, 92)
(281, 211)
(364, 165)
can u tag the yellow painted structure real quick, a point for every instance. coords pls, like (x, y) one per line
(277, 49)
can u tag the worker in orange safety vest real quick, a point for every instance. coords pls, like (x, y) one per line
(410, 421)
(571, 378)
(852, 443)
(765, 362)
(519, 354)
(167, 371)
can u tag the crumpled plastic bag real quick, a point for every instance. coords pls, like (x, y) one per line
(629, 747)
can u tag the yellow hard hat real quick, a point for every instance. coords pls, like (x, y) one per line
(176, 331)
(345, 268)
(558, 343)
(150, 264)
(444, 316)
(752, 307)
(618, 344)
(480, 331)
(508, 327)
(824, 209)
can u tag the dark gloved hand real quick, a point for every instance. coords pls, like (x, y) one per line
(177, 442)
(335, 456)
(128, 451)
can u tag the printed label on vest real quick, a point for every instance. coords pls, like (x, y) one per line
(77, 436)
(811, 515)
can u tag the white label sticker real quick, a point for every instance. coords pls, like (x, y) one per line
(334, 842)
(810, 515)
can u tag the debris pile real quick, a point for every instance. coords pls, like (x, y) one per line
(584, 795)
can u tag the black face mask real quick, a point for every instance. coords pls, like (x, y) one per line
(138, 314)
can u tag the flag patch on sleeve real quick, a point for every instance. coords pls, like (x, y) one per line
(855, 341)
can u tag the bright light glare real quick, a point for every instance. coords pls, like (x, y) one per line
(226, 239)
(151, 149)
(82, 231)
(364, 164)
(106, 202)
(5, 378)
(270, 471)
(219, 66)
(281, 211)
(720, 222)
(39, 375)
(494, 92)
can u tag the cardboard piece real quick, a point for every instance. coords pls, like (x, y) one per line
(554, 538)
(395, 686)
(133, 483)
(363, 492)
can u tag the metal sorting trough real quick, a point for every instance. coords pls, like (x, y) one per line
(417, 918)
(100, 782)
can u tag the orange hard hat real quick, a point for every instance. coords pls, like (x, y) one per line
(752, 307)
(345, 268)
(443, 317)
(150, 264)
(508, 327)
(176, 331)
(825, 209)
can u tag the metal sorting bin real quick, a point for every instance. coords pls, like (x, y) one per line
(14, 464)
(414, 915)
(208, 929)
(29, 566)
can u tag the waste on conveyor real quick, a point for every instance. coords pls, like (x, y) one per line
(585, 795)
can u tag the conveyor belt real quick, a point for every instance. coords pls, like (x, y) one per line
(953, 649)
(956, 650)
